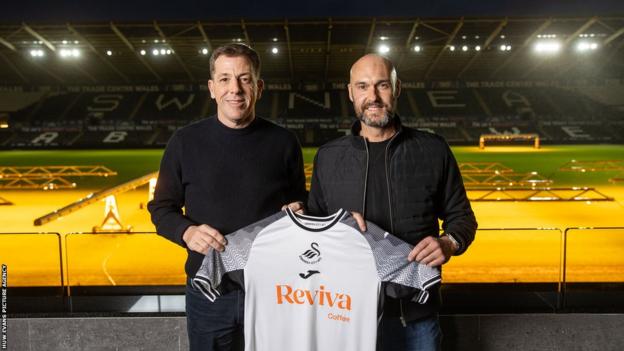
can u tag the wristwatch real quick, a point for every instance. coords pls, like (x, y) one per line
(454, 241)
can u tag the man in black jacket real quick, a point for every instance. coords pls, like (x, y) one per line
(402, 179)
(227, 171)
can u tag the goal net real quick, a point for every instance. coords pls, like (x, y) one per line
(509, 139)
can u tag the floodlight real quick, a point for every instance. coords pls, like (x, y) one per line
(37, 53)
(584, 46)
(383, 49)
(274, 50)
(417, 48)
(547, 46)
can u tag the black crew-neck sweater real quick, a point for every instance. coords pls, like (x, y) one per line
(226, 178)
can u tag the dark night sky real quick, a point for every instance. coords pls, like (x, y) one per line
(141, 10)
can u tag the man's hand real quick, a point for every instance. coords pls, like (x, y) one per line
(201, 238)
(433, 251)
(296, 207)
(360, 220)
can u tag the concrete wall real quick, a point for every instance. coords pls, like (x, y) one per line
(461, 332)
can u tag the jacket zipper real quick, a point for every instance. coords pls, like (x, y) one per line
(402, 317)
(365, 179)
(386, 160)
(388, 181)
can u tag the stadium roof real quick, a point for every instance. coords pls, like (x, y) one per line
(314, 50)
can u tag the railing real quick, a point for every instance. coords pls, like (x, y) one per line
(34, 271)
(31, 259)
(563, 263)
(128, 272)
(122, 259)
(506, 269)
(589, 259)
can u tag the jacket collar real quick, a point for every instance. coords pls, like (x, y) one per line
(356, 128)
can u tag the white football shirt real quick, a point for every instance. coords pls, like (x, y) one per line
(313, 283)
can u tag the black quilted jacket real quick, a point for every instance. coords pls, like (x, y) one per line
(424, 186)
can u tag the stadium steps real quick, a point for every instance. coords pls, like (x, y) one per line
(206, 107)
(465, 134)
(344, 105)
(78, 136)
(553, 106)
(37, 107)
(138, 106)
(292, 96)
(413, 105)
(482, 102)
(69, 107)
(543, 134)
(274, 106)
(154, 136)
(9, 140)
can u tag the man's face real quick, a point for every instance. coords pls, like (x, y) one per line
(372, 93)
(235, 88)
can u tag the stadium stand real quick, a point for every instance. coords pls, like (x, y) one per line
(53, 108)
(446, 103)
(461, 115)
(95, 107)
(166, 106)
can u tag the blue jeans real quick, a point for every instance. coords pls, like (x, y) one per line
(214, 326)
(419, 335)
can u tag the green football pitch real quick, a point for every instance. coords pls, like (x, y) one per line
(516, 242)
(130, 164)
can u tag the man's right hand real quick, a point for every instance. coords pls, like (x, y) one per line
(200, 238)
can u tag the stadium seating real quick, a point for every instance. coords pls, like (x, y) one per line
(446, 102)
(52, 108)
(170, 106)
(460, 114)
(93, 107)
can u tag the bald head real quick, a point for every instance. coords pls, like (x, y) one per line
(374, 89)
(374, 62)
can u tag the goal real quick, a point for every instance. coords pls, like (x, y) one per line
(509, 139)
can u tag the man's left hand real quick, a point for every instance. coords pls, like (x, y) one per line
(296, 207)
(433, 251)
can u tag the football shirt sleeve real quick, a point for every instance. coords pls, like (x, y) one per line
(400, 278)
(222, 272)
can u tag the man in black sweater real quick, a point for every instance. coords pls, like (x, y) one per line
(402, 179)
(226, 171)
